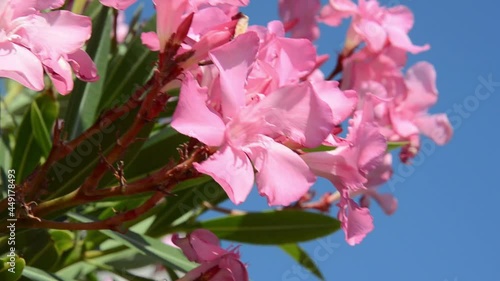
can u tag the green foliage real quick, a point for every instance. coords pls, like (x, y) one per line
(32, 144)
(272, 228)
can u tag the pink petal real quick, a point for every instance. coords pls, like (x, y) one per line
(269, 157)
(420, 81)
(234, 61)
(381, 174)
(192, 116)
(371, 146)
(237, 270)
(200, 246)
(436, 126)
(49, 4)
(374, 34)
(296, 58)
(60, 73)
(19, 64)
(332, 165)
(342, 103)
(356, 221)
(399, 38)
(297, 113)
(387, 202)
(399, 16)
(336, 10)
(44, 33)
(403, 126)
(83, 66)
(118, 4)
(232, 169)
(150, 40)
(168, 17)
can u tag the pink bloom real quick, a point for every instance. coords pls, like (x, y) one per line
(375, 25)
(301, 15)
(118, 4)
(348, 167)
(403, 115)
(249, 133)
(209, 28)
(31, 41)
(203, 247)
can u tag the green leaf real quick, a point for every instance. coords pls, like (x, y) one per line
(40, 129)
(156, 152)
(177, 209)
(63, 239)
(129, 70)
(82, 109)
(146, 245)
(36, 274)
(395, 145)
(12, 268)
(27, 151)
(302, 258)
(269, 228)
(70, 172)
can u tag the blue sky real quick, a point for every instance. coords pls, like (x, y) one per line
(447, 225)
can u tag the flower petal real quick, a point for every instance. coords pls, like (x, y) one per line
(356, 221)
(193, 118)
(269, 157)
(436, 126)
(20, 64)
(232, 169)
(297, 113)
(150, 40)
(83, 66)
(234, 69)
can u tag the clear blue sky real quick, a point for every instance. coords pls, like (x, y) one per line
(447, 225)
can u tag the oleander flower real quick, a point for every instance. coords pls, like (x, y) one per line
(31, 42)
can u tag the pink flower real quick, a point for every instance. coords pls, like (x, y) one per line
(208, 28)
(118, 4)
(249, 133)
(202, 246)
(31, 41)
(375, 25)
(403, 114)
(348, 167)
(301, 16)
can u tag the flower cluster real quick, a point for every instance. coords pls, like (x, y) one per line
(258, 100)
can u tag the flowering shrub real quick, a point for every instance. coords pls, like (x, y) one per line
(171, 117)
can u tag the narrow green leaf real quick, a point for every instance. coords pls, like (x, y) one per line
(276, 227)
(129, 70)
(27, 151)
(146, 245)
(84, 100)
(40, 130)
(302, 258)
(36, 274)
